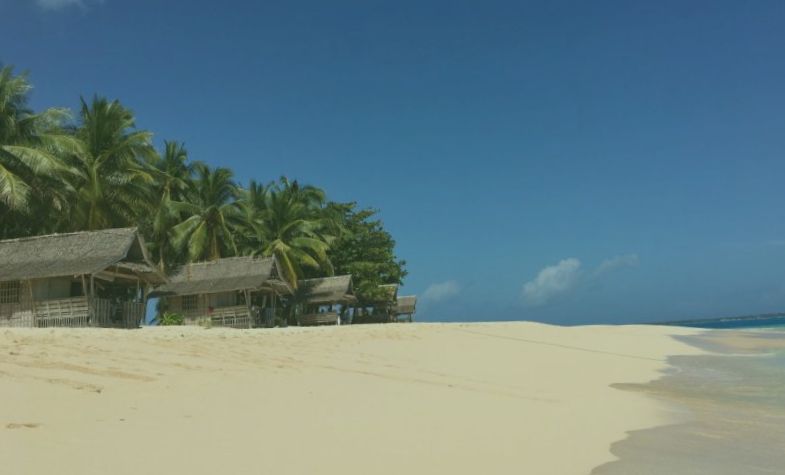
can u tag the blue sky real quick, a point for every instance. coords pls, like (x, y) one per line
(568, 162)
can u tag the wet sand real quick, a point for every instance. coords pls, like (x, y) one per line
(732, 405)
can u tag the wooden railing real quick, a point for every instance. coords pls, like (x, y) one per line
(234, 317)
(15, 315)
(109, 314)
(324, 318)
(73, 312)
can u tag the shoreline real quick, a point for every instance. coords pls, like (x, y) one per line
(455, 397)
(734, 399)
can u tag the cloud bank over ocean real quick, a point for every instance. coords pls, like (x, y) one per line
(562, 278)
(552, 281)
(51, 5)
(441, 291)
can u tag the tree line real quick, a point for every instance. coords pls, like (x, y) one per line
(64, 172)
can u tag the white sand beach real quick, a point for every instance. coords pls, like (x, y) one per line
(366, 399)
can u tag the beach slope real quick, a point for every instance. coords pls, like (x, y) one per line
(380, 399)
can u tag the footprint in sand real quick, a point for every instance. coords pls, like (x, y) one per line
(22, 425)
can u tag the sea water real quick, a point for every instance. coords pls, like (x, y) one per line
(730, 406)
(761, 322)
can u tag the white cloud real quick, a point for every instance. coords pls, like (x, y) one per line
(58, 4)
(61, 4)
(441, 291)
(566, 276)
(552, 281)
(617, 262)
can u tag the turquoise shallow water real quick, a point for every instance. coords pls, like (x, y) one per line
(733, 407)
(762, 322)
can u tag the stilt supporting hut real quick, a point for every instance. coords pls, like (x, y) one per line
(233, 292)
(84, 279)
(323, 301)
(405, 308)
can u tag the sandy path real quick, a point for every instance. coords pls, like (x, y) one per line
(374, 399)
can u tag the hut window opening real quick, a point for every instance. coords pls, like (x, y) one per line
(9, 292)
(190, 302)
(76, 289)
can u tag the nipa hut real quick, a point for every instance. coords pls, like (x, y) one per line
(323, 300)
(91, 278)
(405, 308)
(230, 292)
(380, 311)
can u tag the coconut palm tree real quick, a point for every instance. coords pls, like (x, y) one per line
(173, 176)
(31, 148)
(115, 180)
(287, 221)
(209, 210)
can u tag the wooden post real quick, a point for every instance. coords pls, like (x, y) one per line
(145, 291)
(139, 299)
(92, 311)
(85, 294)
(274, 296)
(264, 310)
(248, 306)
(34, 317)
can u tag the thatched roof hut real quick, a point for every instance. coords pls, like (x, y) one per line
(226, 292)
(116, 251)
(406, 304)
(226, 275)
(404, 308)
(89, 278)
(327, 290)
(379, 308)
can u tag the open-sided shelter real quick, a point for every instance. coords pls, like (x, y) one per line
(405, 308)
(230, 292)
(81, 279)
(319, 299)
(382, 310)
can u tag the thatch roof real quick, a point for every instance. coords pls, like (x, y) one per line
(71, 254)
(336, 289)
(406, 304)
(225, 275)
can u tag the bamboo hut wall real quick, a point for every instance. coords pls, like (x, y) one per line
(38, 307)
(20, 313)
(204, 304)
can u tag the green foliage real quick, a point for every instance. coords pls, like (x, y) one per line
(113, 180)
(288, 221)
(173, 175)
(32, 146)
(171, 319)
(208, 210)
(98, 171)
(366, 251)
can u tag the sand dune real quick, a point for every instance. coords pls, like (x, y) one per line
(374, 399)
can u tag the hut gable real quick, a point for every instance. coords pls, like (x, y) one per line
(406, 304)
(327, 289)
(71, 254)
(224, 275)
